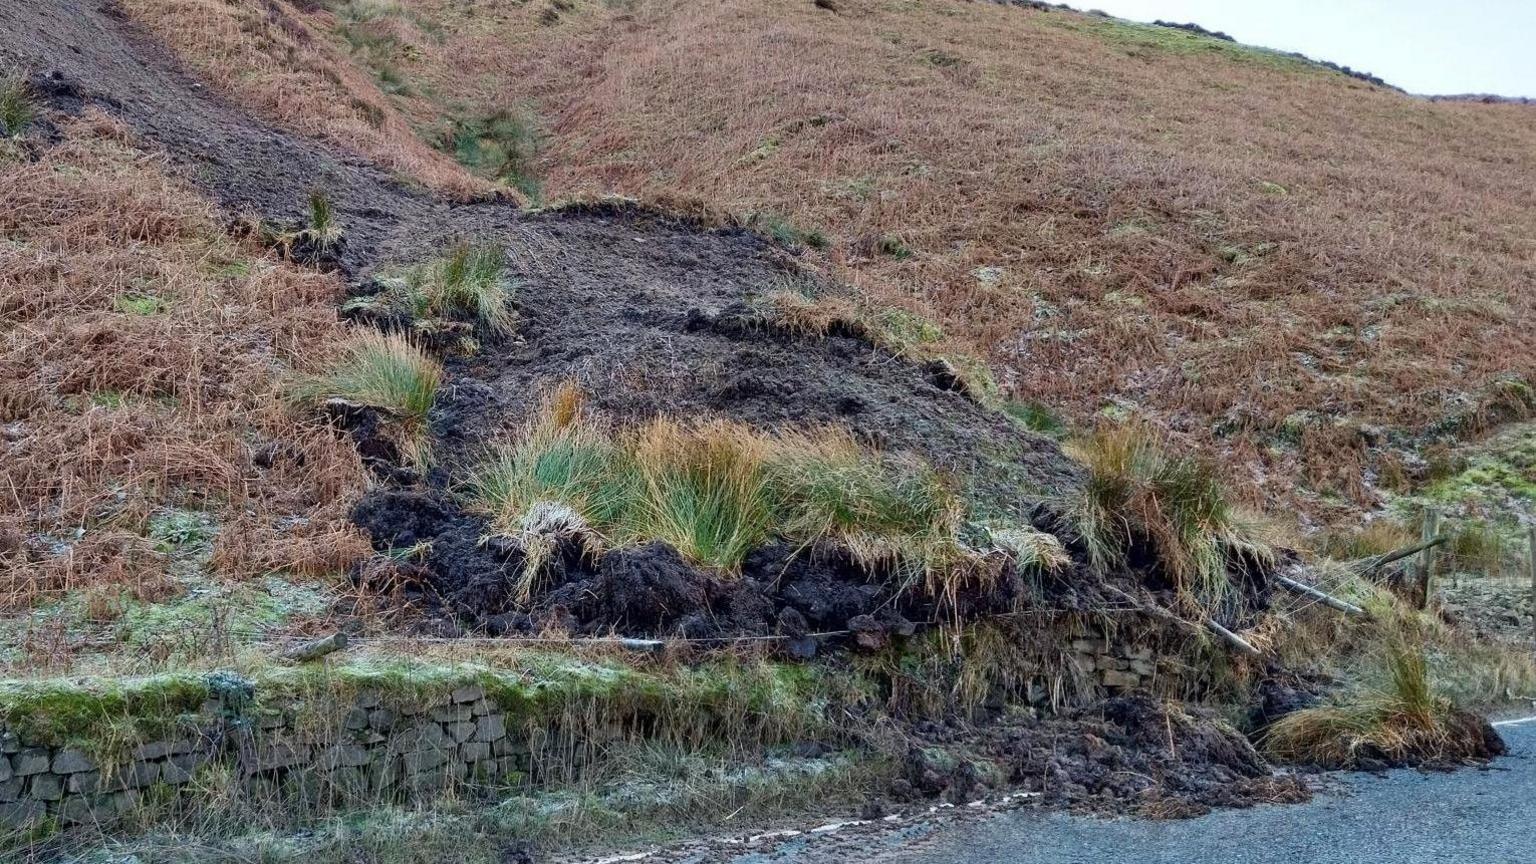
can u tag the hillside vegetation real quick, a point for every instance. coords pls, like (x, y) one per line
(1311, 275)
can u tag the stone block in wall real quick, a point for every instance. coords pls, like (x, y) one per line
(1117, 678)
(46, 787)
(72, 761)
(1085, 663)
(482, 707)
(352, 782)
(1140, 652)
(356, 720)
(344, 756)
(32, 760)
(1144, 668)
(460, 732)
(102, 807)
(152, 750)
(9, 743)
(468, 693)
(491, 727)
(423, 760)
(475, 751)
(367, 699)
(1090, 646)
(22, 814)
(11, 789)
(280, 754)
(454, 713)
(382, 719)
(5, 768)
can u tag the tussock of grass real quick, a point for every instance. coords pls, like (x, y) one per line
(323, 231)
(1401, 719)
(16, 106)
(716, 490)
(1137, 493)
(385, 372)
(501, 145)
(467, 282)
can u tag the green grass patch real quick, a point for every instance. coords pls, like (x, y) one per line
(502, 145)
(468, 282)
(17, 107)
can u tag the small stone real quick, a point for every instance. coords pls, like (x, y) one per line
(382, 719)
(281, 755)
(452, 714)
(141, 774)
(174, 772)
(345, 756)
(72, 761)
(1116, 678)
(85, 782)
(46, 787)
(152, 750)
(425, 735)
(468, 693)
(491, 727)
(420, 761)
(88, 808)
(30, 761)
(20, 815)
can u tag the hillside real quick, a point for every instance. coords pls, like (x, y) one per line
(1312, 276)
(499, 431)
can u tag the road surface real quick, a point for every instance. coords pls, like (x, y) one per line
(1469, 817)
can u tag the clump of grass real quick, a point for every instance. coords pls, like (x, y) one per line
(467, 282)
(787, 233)
(385, 372)
(1137, 493)
(705, 489)
(323, 233)
(17, 108)
(1036, 418)
(1400, 720)
(716, 490)
(502, 145)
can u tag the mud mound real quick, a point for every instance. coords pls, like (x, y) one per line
(1130, 752)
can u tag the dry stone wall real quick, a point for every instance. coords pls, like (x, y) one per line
(375, 752)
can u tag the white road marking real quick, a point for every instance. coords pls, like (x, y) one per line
(1517, 721)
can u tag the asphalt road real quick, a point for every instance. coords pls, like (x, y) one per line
(1469, 817)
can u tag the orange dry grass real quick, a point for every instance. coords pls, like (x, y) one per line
(1217, 239)
(140, 354)
(268, 57)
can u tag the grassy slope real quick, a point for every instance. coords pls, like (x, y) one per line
(1123, 219)
(147, 455)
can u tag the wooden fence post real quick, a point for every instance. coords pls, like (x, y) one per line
(1531, 562)
(1427, 557)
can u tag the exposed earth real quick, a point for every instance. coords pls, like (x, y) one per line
(1403, 816)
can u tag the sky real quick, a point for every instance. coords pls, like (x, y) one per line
(1430, 47)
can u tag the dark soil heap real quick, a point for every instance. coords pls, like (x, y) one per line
(1126, 752)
